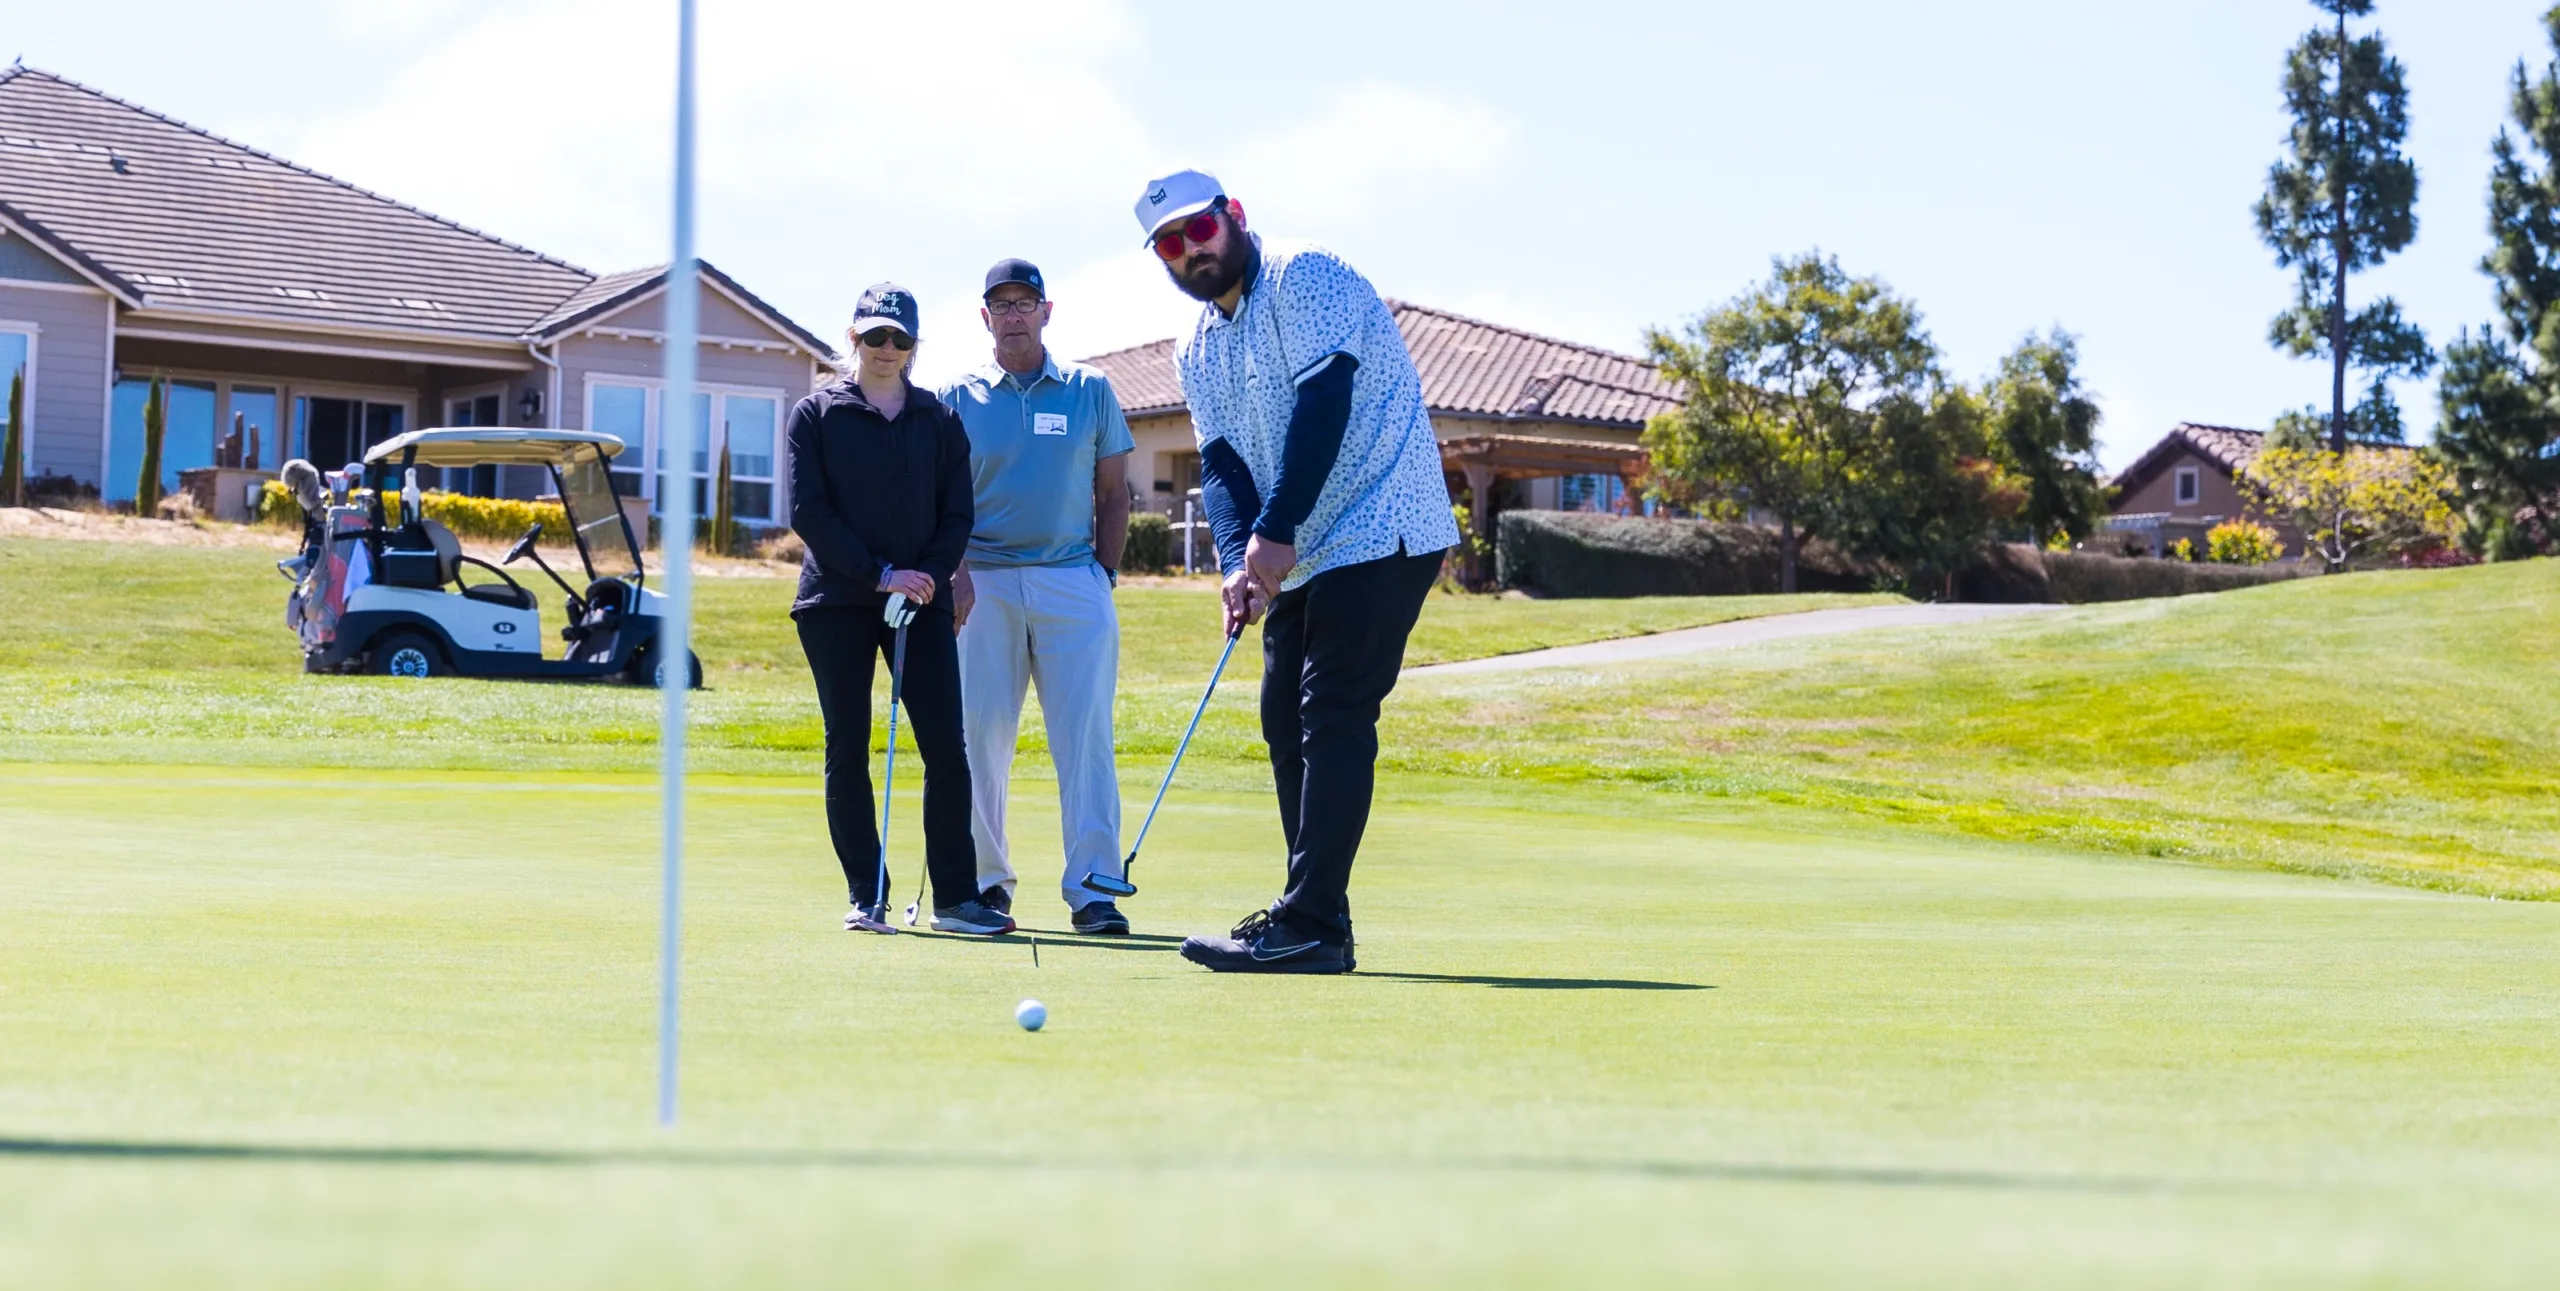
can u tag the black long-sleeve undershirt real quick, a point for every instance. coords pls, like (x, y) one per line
(1228, 495)
(1317, 422)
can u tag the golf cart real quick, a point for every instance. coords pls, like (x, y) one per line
(384, 592)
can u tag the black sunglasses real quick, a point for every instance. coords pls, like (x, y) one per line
(879, 336)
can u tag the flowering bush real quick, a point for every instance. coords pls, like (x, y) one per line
(2365, 500)
(2242, 542)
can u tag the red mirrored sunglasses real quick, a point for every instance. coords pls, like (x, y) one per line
(1199, 229)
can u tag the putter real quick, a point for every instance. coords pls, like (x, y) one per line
(896, 616)
(1121, 886)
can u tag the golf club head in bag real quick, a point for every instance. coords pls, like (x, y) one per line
(1118, 885)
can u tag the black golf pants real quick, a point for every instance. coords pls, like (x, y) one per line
(1331, 649)
(841, 642)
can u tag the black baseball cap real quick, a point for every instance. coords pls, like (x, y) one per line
(1021, 271)
(885, 304)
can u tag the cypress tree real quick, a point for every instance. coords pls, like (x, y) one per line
(13, 452)
(721, 518)
(155, 426)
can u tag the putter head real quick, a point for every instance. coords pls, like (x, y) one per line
(898, 614)
(1110, 886)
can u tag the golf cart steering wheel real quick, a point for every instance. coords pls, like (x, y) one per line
(523, 545)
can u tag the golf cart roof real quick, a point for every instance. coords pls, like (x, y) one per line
(493, 446)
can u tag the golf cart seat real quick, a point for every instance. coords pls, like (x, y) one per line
(423, 554)
(506, 594)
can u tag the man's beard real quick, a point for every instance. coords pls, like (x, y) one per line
(1217, 280)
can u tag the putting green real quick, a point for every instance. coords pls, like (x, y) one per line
(283, 1028)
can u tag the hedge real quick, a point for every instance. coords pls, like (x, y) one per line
(1150, 546)
(486, 519)
(1570, 553)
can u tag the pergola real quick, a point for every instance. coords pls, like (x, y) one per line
(1481, 460)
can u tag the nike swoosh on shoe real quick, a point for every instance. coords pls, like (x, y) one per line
(1259, 955)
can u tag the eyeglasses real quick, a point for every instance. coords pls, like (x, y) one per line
(880, 336)
(1026, 308)
(1199, 229)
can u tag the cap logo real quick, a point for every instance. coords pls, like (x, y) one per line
(1156, 198)
(888, 300)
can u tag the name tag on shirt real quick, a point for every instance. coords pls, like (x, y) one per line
(1048, 423)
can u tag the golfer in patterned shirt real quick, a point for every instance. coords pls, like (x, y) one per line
(1323, 485)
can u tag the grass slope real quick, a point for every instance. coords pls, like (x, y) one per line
(2397, 726)
(281, 1028)
(127, 652)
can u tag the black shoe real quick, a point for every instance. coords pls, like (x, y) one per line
(1262, 944)
(997, 899)
(973, 918)
(1101, 919)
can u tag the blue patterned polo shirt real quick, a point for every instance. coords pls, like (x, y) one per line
(1240, 377)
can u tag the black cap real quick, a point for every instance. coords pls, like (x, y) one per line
(1021, 271)
(885, 304)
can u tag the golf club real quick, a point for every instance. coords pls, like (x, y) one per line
(896, 616)
(1121, 886)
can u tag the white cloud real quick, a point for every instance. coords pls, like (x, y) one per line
(844, 146)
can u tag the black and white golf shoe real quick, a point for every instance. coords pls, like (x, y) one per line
(1263, 944)
(1101, 919)
(974, 917)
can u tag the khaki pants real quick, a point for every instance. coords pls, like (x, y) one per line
(1053, 628)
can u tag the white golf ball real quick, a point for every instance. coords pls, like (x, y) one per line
(1032, 1014)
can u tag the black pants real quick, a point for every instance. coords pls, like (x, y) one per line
(1331, 649)
(841, 642)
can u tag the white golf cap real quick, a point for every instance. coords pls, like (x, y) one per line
(1184, 192)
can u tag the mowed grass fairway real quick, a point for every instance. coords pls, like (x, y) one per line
(1738, 981)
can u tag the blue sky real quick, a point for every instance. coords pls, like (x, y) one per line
(1582, 170)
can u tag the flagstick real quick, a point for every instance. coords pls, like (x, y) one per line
(675, 544)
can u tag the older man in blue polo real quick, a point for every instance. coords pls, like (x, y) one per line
(1049, 455)
(1323, 484)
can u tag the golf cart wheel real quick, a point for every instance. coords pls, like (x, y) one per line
(649, 670)
(408, 654)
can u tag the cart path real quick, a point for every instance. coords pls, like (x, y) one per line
(1725, 636)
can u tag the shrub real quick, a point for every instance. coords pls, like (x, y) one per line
(485, 519)
(61, 491)
(1564, 553)
(2081, 578)
(2242, 542)
(1150, 547)
(2183, 550)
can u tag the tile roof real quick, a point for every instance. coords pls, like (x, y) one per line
(2228, 447)
(195, 221)
(173, 217)
(1469, 368)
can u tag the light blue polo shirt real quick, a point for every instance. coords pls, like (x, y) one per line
(1033, 443)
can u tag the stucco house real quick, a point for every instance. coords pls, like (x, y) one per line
(327, 318)
(1523, 420)
(2184, 485)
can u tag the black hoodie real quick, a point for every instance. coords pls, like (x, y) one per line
(869, 494)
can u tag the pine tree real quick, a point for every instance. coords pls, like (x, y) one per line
(155, 426)
(2500, 430)
(2342, 199)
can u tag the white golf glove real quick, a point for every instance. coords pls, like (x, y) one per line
(900, 613)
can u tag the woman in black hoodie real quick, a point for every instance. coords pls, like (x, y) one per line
(880, 496)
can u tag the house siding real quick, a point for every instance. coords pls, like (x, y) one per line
(67, 424)
(2217, 495)
(27, 262)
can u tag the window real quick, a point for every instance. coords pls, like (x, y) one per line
(253, 414)
(623, 412)
(474, 410)
(186, 439)
(2190, 485)
(748, 422)
(747, 427)
(17, 388)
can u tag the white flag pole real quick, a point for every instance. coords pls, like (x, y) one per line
(676, 435)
